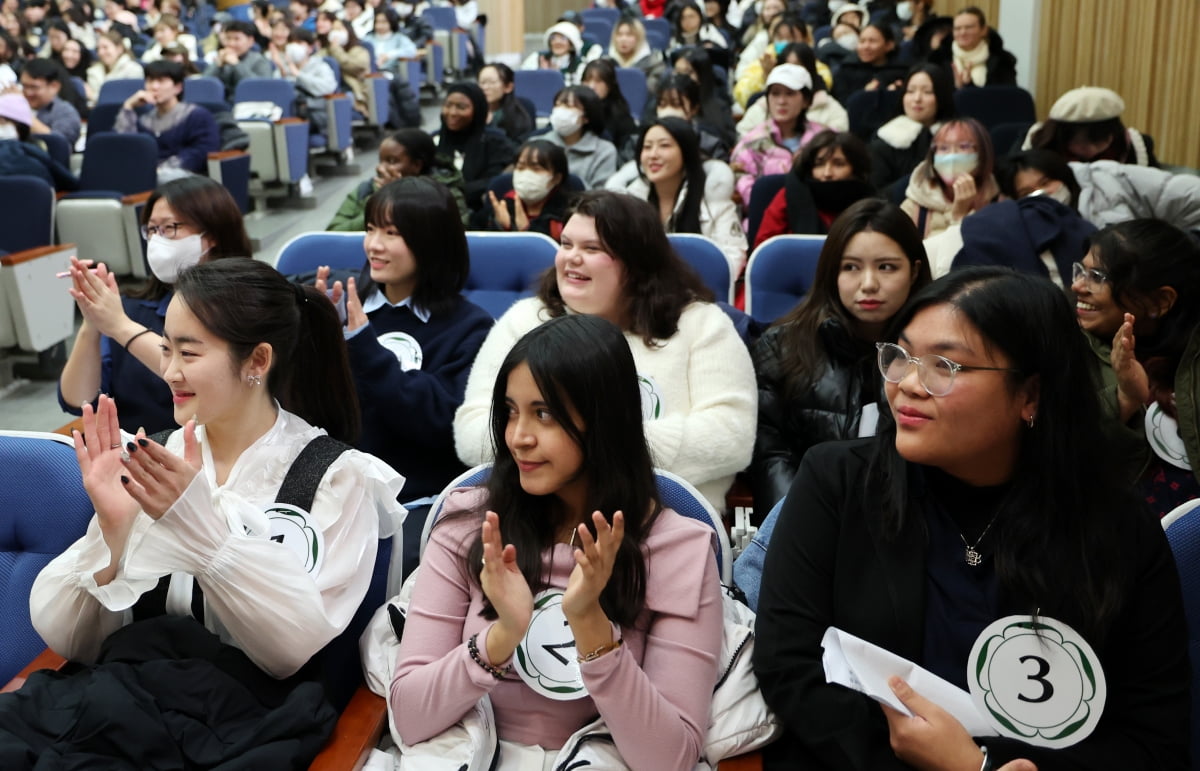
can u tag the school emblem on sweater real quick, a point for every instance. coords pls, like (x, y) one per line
(292, 527)
(1037, 681)
(405, 348)
(1163, 432)
(652, 402)
(546, 658)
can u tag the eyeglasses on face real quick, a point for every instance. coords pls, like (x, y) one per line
(1090, 276)
(168, 230)
(961, 147)
(935, 373)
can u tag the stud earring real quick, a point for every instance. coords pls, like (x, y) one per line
(1031, 418)
(254, 380)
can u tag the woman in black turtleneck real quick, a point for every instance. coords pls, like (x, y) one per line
(466, 142)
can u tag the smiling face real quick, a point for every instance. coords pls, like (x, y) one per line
(107, 51)
(392, 263)
(920, 102)
(1095, 307)
(661, 159)
(549, 461)
(872, 48)
(71, 54)
(165, 34)
(396, 161)
(973, 432)
(968, 31)
(590, 280)
(874, 280)
(559, 45)
(493, 86)
(457, 111)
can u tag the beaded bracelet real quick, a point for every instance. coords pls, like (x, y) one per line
(495, 672)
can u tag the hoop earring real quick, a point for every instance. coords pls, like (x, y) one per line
(1031, 419)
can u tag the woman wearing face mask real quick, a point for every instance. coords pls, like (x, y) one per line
(817, 379)
(538, 199)
(955, 178)
(903, 142)
(505, 112)
(601, 76)
(466, 142)
(786, 32)
(824, 108)
(406, 153)
(828, 177)
(698, 386)
(770, 147)
(113, 63)
(876, 66)
(577, 125)
(118, 348)
(1085, 125)
(337, 40)
(691, 195)
(841, 45)
(18, 155)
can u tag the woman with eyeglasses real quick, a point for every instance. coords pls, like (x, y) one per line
(117, 349)
(988, 493)
(954, 180)
(1135, 296)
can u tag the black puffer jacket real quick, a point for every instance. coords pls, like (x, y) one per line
(1001, 64)
(790, 423)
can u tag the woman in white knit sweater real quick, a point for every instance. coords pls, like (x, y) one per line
(699, 399)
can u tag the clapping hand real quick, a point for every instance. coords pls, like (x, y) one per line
(156, 477)
(594, 560)
(506, 589)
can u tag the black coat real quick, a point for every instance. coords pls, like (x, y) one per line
(789, 424)
(890, 163)
(1001, 65)
(829, 564)
(854, 75)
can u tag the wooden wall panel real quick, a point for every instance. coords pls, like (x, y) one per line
(1144, 51)
(990, 8)
(506, 25)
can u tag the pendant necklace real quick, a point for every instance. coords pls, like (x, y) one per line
(973, 557)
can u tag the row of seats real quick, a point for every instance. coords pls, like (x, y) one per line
(506, 266)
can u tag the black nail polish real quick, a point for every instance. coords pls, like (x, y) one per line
(124, 479)
(131, 446)
(143, 442)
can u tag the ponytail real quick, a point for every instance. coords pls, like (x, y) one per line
(245, 302)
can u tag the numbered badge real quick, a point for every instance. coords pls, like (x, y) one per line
(652, 403)
(546, 659)
(405, 348)
(1163, 433)
(1037, 681)
(290, 526)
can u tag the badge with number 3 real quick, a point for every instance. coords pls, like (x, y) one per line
(1037, 681)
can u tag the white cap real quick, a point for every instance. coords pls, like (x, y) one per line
(792, 76)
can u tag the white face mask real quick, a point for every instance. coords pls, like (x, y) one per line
(849, 41)
(404, 9)
(904, 10)
(1062, 194)
(168, 258)
(339, 37)
(565, 121)
(837, 5)
(8, 131)
(671, 112)
(296, 52)
(951, 166)
(530, 185)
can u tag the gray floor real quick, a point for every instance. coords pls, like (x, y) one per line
(32, 405)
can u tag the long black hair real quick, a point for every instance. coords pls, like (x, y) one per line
(1056, 547)
(423, 211)
(687, 219)
(246, 302)
(658, 283)
(581, 364)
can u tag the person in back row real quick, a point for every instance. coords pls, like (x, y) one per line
(236, 60)
(186, 133)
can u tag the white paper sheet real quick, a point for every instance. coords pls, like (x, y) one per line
(865, 667)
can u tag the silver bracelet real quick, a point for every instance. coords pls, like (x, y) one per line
(987, 761)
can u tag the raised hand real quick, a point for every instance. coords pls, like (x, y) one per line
(500, 211)
(98, 451)
(98, 297)
(156, 477)
(594, 561)
(507, 590)
(355, 316)
(1133, 384)
(964, 196)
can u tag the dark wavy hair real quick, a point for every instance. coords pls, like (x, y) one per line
(246, 302)
(1056, 553)
(423, 211)
(687, 219)
(851, 146)
(583, 364)
(658, 283)
(804, 352)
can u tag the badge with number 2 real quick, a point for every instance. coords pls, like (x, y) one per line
(1037, 681)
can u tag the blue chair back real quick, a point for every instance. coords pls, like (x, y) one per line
(779, 274)
(241, 12)
(708, 260)
(367, 44)
(117, 91)
(506, 267)
(309, 251)
(56, 146)
(337, 71)
(122, 163)
(43, 510)
(539, 87)
(674, 491)
(80, 86)
(275, 90)
(763, 191)
(28, 206)
(440, 17)
(203, 89)
(994, 105)
(592, 15)
(599, 31)
(102, 119)
(633, 87)
(658, 33)
(1184, 536)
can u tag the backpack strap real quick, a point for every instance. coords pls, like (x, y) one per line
(922, 216)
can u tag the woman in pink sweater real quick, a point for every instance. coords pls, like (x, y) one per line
(563, 591)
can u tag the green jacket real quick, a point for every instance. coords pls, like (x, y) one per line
(1128, 440)
(351, 215)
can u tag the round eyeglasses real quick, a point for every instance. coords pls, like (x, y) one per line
(935, 373)
(1089, 276)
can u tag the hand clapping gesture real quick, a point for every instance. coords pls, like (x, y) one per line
(506, 588)
(594, 559)
(1133, 384)
(156, 477)
(97, 296)
(355, 316)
